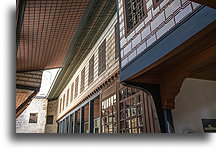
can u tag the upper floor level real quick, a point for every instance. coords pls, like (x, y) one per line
(144, 22)
(101, 63)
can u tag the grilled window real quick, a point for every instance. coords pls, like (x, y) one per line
(82, 80)
(135, 12)
(72, 89)
(102, 57)
(49, 119)
(156, 3)
(109, 115)
(116, 41)
(91, 70)
(33, 118)
(76, 86)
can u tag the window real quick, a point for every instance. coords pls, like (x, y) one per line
(97, 125)
(135, 11)
(91, 70)
(72, 88)
(102, 57)
(156, 3)
(82, 80)
(63, 102)
(76, 86)
(116, 41)
(60, 104)
(109, 115)
(131, 110)
(67, 99)
(49, 119)
(33, 117)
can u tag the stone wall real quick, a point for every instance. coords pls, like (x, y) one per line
(22, 122)
(51, 111)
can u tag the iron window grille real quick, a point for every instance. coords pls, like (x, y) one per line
(49, 119)
(102, 57)
(135, 12)
(33, 118)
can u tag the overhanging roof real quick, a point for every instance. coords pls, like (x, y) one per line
(45, 30)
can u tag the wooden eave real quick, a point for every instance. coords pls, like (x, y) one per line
(97, 20)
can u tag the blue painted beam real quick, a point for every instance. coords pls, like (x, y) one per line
(172, 39)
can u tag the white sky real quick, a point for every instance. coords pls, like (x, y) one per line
(48, 78)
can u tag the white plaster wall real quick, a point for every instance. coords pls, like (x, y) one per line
(195, 101)
(22, 122)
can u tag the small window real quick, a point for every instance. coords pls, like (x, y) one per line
(102, 57)
(156, 3)
(76, 86)
(82, 80)
(33, 117)
(116, 41)
(49, 119)
(72, 89)
(91, 70)
(135, 11)
(63, 104)
(67, 99)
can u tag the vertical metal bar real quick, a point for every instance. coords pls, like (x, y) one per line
(82, 119)
(74, 122)
(91, 116)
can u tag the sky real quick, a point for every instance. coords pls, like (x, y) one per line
(48, 77)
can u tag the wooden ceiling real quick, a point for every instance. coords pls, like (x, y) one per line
(209, 3)
(21, 96)
(46, 31)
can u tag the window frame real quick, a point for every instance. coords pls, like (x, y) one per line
(72, 92)
(91, 70)
(48, 120)
(102, 57)
(82, 83)
(127, 31)
(32, 120)
(157, 3)
(117, 40)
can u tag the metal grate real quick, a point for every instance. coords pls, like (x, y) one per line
(135, 11)
(47, 30)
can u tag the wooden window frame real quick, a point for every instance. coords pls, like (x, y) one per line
(157, 3)
(128, 31)
(82, 83)
(67, 98)
(47, 119)
(72, 89)
(102, 57)
(63, 105)
(31, 116)
(91, 70)
(116, 40)
(76, 86)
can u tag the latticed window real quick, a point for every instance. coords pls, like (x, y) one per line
(67, 99)
(109, 115)
(82, 80)
(102, 57)
(76, 86)
(63, 104)
(135, 12)
(91, 70)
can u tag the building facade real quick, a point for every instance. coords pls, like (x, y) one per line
(161, 50)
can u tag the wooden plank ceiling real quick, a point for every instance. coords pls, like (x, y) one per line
(46, 32)
(21, 96)
(209, 3)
